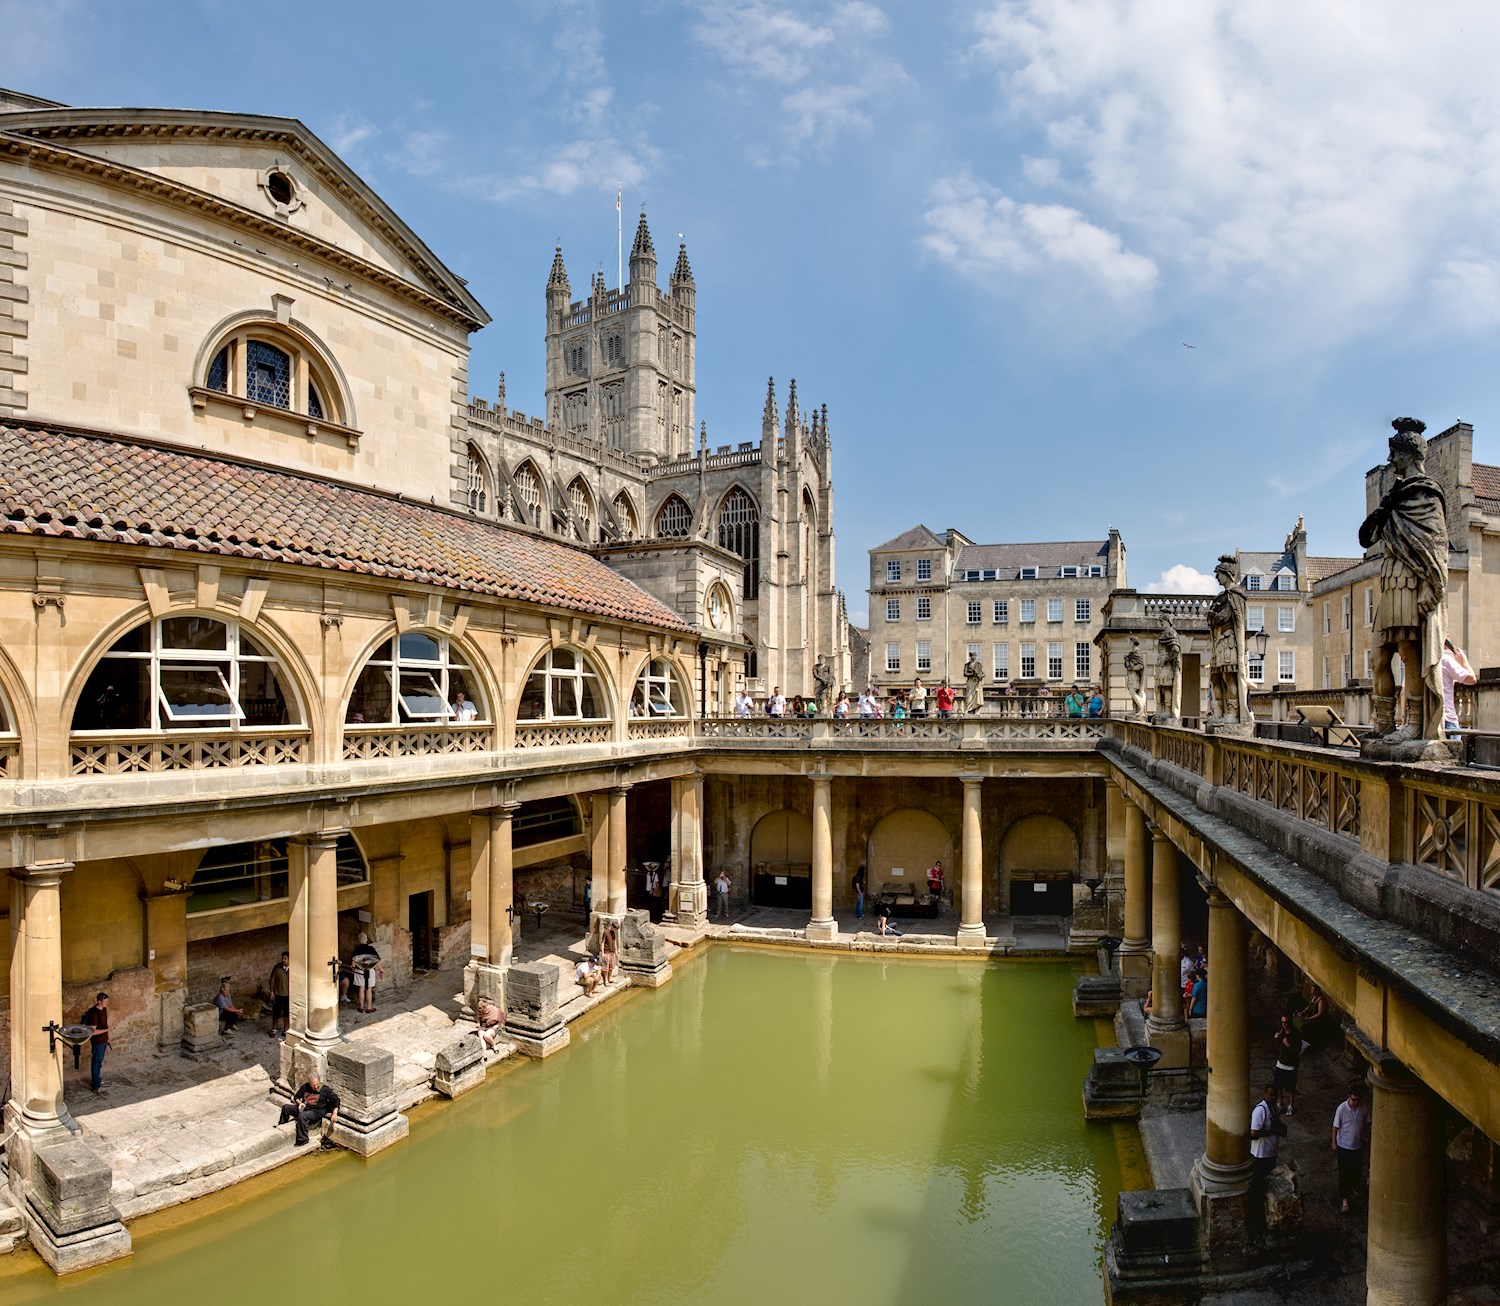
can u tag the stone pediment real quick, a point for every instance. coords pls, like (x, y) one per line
(272, 173)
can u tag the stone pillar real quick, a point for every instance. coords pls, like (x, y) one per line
(1221, 1176)
(618, 850)
(599, 853)
(822, 927)
(501, 884)
(491, 893)
(689, 899)
(1407, 1259)
(312, 942)
(166, 955)
(971, 923)
(1135, 951)
(1166, 1027)
(36, 1092)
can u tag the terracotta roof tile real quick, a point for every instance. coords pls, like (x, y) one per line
(1322, 568)
(1486, 481)
(75, 485)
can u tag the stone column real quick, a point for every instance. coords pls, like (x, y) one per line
(599, 853)
(36, 1093)
(312, 942)
(1135, 951)
(971, 923)
(1166, 1027)
(166, 955)
(618, 850)
(689, 899)
(1221, 1176)
(501, 884)
(1407, 1260)
(822, 926)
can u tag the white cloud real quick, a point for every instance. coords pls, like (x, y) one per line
(981, 230)
(1182, 579)
(1320, 162)
(349, 132)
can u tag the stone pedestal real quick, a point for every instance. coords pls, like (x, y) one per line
(1097, 996)
(200, 1029)
(1112, 1088)
(533, 1021)
(1174, 1042)
(364, 1077)
(171, 1029)
(459, 1066)
(64, 1188)
(643, 951)
(1155, 1253)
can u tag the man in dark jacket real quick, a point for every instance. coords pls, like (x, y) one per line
(311, 1105)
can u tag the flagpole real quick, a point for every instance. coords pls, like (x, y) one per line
(619, 244)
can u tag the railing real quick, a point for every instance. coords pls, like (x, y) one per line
(1176, 605)
(1183, 750)
(927, 730)
(885, 732)
(1311, 791)
(140, 754)
(560, 734)
(672, 728)
(362, 743)
(1455, 833)
(754, 727)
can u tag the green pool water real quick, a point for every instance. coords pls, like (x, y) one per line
(768, 1128)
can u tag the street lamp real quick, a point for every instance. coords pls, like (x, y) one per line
(1257, 641)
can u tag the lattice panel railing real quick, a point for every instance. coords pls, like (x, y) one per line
(415, 741)
(1182, 751)
(1320, 794)
(1455, 835)
(561, 734)
(659, 729)
(148, 754)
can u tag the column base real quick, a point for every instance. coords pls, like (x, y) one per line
(971, 936)
(825, 931)
(538, 1043)
(62, 1189)
(1222, 1195)
(689, 909)
(1172, 1039)
(646, 976)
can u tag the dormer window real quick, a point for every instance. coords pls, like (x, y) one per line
(1252, 581)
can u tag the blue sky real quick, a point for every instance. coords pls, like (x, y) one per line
(983, 234)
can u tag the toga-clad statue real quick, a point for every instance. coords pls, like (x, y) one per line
(1168, 682)
(1227, 673)
(1135, 677)
(823, 680)
(973, 685)
(1411, 525)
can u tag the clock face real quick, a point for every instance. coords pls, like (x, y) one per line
(718, 610)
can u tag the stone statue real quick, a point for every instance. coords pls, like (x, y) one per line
(1135, 677)
(823, 680)
(973, 685)
(1168, 682)
(1411, 526)
(1227, 673)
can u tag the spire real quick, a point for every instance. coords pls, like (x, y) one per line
(642, 243)
(500, 399)
(768, 414)
(682, 274)
(702, 436)
(791, 408)
(559, 275)
(823, 425)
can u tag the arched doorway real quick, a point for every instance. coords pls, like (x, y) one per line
(781, 860)
(902, 846)
(1038, 866)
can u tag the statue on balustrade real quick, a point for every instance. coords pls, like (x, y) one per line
(1168, 681)
(973, 685)
(1411, 527)
(1135, 677)
(1227, 673)
(823, 680)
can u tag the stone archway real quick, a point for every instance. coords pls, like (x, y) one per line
(781, 860)
(1038, 867)
(903, 845)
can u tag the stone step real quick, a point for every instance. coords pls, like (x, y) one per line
(12, 1229)
(156, 1189)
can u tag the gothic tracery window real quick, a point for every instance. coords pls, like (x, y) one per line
(675, 520)
(529, 491)
(630, 527)
(739, 532)
(477, 494)
(581, 504)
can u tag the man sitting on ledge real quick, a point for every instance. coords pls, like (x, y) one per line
(311, 1105)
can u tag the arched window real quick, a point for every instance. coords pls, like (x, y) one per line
(581, 503)
(269, 365)
(475, 482)
(657, 692)
(185, 673)
(529, 490)
(675, 520)
(739, 532)
(562, 687)
(416, 677)
(630, 525)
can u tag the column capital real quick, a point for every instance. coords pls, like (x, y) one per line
(620, 790)
(1157, 833)
(41, 873)
(972, 778)
(321, 838)
(499, 811)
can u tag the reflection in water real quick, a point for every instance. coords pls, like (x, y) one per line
(830, 1129)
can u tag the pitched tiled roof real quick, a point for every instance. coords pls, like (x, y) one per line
(918, 537)
(1266, 562)
(1045, 557)
(1322, 568)
(74, 485)
(1486, 481)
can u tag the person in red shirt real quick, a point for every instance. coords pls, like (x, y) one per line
(944, 700)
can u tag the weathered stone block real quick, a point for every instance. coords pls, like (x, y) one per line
(1158, 1222)
(70, 1185)
(1112, 1088)
(1096, 996)
(531, 993)
(200, 1028)
(1284, 1202)
(364, 1077)
(459, 1066)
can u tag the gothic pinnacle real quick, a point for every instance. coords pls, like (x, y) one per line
(559, 275)
(683, 272)
(768, 413)
(791, 406)
(642, 243)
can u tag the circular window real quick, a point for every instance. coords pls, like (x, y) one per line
(279, 187)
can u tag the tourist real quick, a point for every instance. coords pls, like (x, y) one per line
(1074, 703)
(898, 709)
(1096, 703)
(489, 1024)
(809, 708)
(1198, 997)
(588, 974)
(229, 1014)
(279, 987)
(867, 703)
(1310, 1021)
(609, 951)
(1351, 1125)
(463, 710)
(1266, 1133)
(798, 707)
(744, 705)
(97, 1018)
(313, 1103)
(721, 894)
(1288, 1051)
(918, 698)
(841, 707)
(945, 697)
(366, 961)
(1455, 670)
(1185, 966)
(859, 894)
(776, 704)
(935, 882)
(588, 898)
(883, 924)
